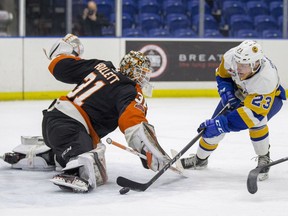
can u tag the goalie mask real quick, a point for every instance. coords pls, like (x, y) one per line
(137, 67)
(249, 52)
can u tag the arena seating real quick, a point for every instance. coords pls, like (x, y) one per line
(169, 18)
(180, 18)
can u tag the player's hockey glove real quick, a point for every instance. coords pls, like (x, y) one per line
(228, 97)
(214, 127)
(226, 91)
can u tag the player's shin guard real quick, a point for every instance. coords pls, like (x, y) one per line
(260, 139)
(208, 145)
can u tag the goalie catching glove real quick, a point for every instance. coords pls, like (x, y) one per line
(141, 138)
(69, 45)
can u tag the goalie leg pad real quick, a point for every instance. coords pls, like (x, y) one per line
(94, 166)
(84, 173)
(32, 154)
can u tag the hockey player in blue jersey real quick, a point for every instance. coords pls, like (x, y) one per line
(248, 81)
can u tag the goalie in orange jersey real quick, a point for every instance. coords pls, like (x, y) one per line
(102, 100)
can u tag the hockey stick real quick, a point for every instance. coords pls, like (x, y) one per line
(110, 141)
(128, 184)
(253, 175)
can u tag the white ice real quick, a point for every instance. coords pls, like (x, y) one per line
(218, 190)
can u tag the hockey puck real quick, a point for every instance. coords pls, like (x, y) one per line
(124, 190)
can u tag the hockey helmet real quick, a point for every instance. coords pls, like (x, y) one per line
(137, 67)
(248, 52)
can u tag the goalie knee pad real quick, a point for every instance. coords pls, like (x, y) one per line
(90, 166)
(31, 154)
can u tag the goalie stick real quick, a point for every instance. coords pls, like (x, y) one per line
(177, 169)
(136, 186)
(253, 175)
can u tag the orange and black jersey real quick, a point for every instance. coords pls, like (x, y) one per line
(107, 97)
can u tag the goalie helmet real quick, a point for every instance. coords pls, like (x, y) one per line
(137, 67)
(249, 52)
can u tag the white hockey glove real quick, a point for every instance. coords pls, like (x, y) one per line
(69, 45)
(85, 172)
(31, 154)
(141, 137)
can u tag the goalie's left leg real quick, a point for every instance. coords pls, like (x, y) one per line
(85, 172)
(31, 154)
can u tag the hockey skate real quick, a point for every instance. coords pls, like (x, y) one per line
(71, 183)
(193, 162)
(264, 160)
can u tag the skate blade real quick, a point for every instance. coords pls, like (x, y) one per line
(76, 188)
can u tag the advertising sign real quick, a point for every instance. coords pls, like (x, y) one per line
(182, 60)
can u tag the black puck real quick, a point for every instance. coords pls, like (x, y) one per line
(124, 190)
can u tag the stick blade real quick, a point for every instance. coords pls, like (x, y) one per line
(132, 185)
(177, 163)
(252, 180)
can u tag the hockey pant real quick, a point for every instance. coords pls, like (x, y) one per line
(67, 137)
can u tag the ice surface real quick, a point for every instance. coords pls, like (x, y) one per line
(218, 190)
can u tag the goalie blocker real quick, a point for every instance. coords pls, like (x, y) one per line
(142, 138)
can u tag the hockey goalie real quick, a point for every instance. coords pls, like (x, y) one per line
(103, 99)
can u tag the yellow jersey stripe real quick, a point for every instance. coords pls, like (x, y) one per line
(245, 117)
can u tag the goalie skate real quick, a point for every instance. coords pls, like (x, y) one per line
(71, 183)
